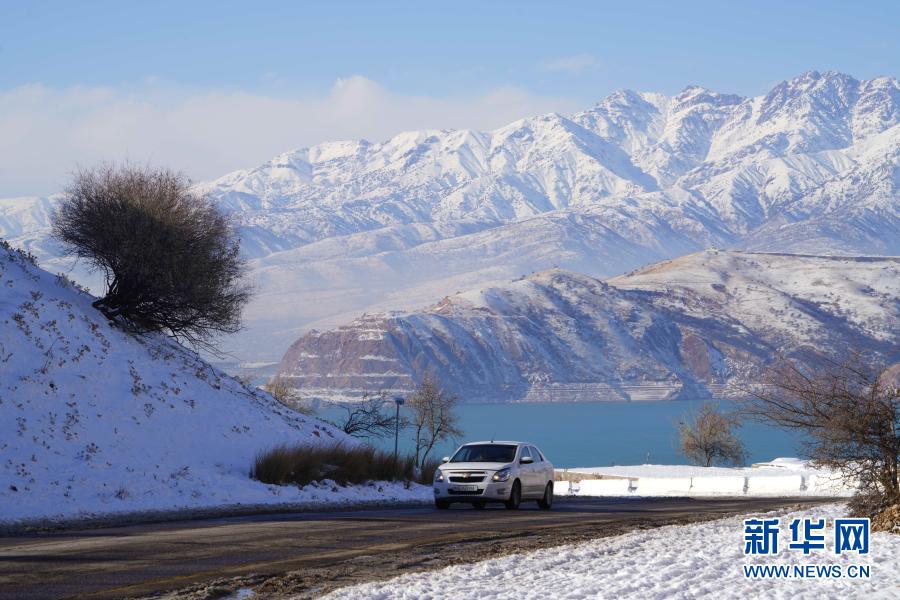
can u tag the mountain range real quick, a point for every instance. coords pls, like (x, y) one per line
(345, 228)
(702, 325)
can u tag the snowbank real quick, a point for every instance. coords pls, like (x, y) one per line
(692, 561)
(779, 477)
(94, 421)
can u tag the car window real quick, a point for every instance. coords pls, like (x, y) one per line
(525, 453)
(502, 453)
(536, 454)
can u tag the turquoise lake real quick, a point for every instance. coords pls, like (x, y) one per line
(583, 434)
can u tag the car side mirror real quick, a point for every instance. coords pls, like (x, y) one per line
(526, 460)
(445, 459)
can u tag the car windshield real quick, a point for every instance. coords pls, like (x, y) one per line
(499, 453)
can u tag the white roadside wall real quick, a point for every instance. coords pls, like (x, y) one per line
(663, 486)
(781, 477)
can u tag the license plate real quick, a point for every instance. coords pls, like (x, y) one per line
(465, 488)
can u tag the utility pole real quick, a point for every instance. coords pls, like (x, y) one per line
(399, 402)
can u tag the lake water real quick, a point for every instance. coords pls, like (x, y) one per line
(588, 434)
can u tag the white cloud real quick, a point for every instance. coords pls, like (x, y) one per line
(568, 64)
(47, 132)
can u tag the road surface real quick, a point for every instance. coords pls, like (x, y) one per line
(310, 553)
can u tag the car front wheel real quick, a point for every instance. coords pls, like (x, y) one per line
(546, 502)
(441, 504)
(515, 496)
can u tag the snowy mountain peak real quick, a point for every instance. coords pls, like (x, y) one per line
(628, 143)
(694, 94)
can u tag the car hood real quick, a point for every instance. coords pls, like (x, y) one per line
(474, 466)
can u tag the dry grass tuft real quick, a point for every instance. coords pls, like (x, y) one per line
(303, 464)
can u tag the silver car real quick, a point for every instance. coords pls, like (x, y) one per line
(482, 472)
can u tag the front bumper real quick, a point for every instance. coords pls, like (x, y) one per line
(486, 490)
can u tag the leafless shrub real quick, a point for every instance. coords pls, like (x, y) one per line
(709, 438)
(850, 414)
(281, 389)
(434, 418)
(368, 418)
(170, 258)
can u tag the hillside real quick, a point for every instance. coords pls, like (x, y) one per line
(812, 166)
(698, 326)
(96, 421)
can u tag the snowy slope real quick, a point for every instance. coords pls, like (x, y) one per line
(703, 560)
(704, 324)
(812, 166)
(95, 421)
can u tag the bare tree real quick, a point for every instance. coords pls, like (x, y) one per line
(850, 415)
(367, 418)
(170, 258)
(434, 417)
(281, 389)
(710, 438)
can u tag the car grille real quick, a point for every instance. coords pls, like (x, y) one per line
(459, 493)
(467, 477)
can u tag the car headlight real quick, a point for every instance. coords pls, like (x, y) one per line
(438, 475)
(501, 475)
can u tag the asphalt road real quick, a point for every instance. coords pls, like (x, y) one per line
(310, 553)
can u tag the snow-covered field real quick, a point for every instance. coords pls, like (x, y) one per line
(94, 421)
(692, 561)
(779, 477)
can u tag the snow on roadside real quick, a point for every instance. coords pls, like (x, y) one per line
(774, 467)
(702, 560)
(779, 477)
(205, 492)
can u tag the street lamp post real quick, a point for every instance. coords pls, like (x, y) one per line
(398, 401)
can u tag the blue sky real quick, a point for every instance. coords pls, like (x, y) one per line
(161, 81)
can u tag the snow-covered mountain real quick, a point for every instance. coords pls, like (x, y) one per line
(340, 228)
(96, 421)
(704, 324)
